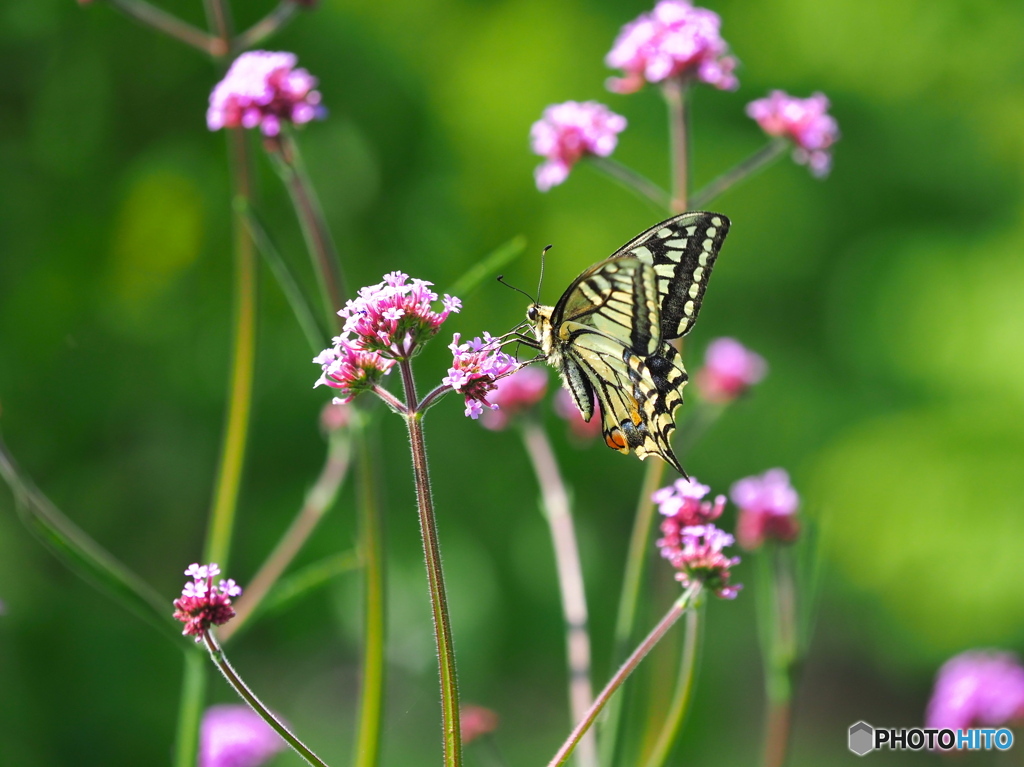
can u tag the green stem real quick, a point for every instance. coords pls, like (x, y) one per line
(781, 651)
(635, 182)
(675, 90)
(558, 514)
(190, 711)
(269, 25)
(657, 633)
(170, 25)
(756, 162)
(435, 575)
(684, 690)
(236, 682)
(371, 709)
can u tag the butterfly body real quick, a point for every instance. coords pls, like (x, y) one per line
(608, 335)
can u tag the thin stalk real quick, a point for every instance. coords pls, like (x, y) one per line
(371, 707)
(740, 172)
(232, 677)
(170, 25)
(631, 180)
(558, 515)
(675, 90)
(435, 575)
(684, 690)
(319, 500)
(674, 614)
(269, 25)
(190, 711)
(782, 653)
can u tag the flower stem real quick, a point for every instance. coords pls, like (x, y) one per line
(675, 612)
(675, 90)
(319, 500)
(435, 575)
(740, 172)
(631, 180)
(190, 713)
(683, 692)
(269, 25)
(558, 515)
(781, 651)
(170, 25)
(232, 677)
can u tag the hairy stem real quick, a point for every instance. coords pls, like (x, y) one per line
(744, 170)
(633, 181)
(675, 90)
(782, 652)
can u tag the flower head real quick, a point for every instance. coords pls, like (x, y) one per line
(264, 89)
(476, 721)
(236, 736)
(674, 40)
(476, 367)
(699, 559)
(805, 122)
(978, 688)
(567, 132)
(350, 370)
(730, 369)
(565, 407)
(767, 505)
(202, 603)
(515, 393)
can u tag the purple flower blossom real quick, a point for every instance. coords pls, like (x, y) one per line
(805, 122)
(350, 370)
(515, 393)
(730, 369)
(236, 736)
(263, 89)
(569, 131)
(767, 505)
(978, 688)
(682, 503)
(699, 559)
(203, 604)
(476, 367)
(674, 40)
(566, 408)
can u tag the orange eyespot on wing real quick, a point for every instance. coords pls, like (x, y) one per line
(616, 440)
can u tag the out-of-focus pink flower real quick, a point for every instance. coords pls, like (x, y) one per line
(566, 408)
(476, 367)
(674, 40)
(683, 507)
(264, 89)
(350, 370)
(978, 688)
(699, 559)
(805, 122)
(514, 394)
(236, 736)
(767, 505)
(334, 416)
(202, 603)
(730, 369)
(476, 721)
(567, 132)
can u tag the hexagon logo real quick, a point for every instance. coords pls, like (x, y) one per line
(862, 738)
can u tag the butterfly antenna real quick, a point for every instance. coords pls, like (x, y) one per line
(501, 279)
(540, 282)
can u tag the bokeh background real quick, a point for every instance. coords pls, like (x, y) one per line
(887, 300)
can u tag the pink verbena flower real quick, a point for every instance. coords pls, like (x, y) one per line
(699, 559)
(565, 407)
(567, 132)
(674, 40)
(264, 89)
(978, 688)
(350, 370)
(805, 122)
(730, 369)
(202, 603)
(476, 721)
(236, 736)
(767, 505)
(515, 393)
(476, 367)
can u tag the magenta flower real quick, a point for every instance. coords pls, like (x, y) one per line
(350, 370)
(236, 736)
(476, 367)
(805, 122)
(767, 505)
(567, 132)
(264, 89)
(978, 688)
(699, 559)
(203, 604)
(515, 393)
(730, 369)
(673, 40)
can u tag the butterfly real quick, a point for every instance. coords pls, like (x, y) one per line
(608, 335)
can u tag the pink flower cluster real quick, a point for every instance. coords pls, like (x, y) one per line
(565, 408)
(203, 604)
(730, 369)
(767, 505)
(979, 688)
(476, 367)
(805, 122)
(264, 89)
(236, 736)
(566, 132)
(514, 394)
(674, 40)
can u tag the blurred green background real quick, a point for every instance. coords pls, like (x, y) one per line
(887, 300)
